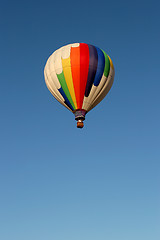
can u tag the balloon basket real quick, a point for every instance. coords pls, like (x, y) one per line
(80, 124)
(80, 117)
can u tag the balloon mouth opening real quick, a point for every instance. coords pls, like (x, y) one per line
(80, 117)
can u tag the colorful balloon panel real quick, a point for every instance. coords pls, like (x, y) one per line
(79, 75)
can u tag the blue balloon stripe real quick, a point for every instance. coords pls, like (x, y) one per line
(65, 98)
(100, 67)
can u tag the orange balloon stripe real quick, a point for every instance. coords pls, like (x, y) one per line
(75, 68)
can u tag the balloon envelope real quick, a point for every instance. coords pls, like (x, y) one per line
(79, 76)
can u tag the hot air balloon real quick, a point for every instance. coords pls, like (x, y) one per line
(79, 76)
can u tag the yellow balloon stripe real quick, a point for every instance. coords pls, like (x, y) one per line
(66, 65)
(111, 63)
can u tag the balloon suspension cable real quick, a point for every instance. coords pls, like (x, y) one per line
(80, 117)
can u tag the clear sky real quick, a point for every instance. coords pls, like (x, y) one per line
(58, 182)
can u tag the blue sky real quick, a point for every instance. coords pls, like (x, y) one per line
(57, 181)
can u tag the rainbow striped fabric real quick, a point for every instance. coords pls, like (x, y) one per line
(79, 75)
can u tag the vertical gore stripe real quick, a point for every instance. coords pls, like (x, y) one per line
(65, 98)
(93, 61)
(100, 67)
(66, 65)
(111, 63)
(75, 69)
(84, 68)
(62, 81)
(107, 65)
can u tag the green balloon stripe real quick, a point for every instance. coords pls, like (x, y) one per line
(107, 65)
(62, 81)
